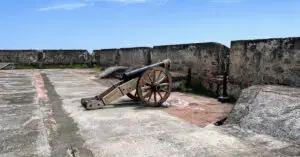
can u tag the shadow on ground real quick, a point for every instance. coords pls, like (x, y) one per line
(136, 105)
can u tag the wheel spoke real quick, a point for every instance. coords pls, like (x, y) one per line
(147, 94)
(164, 84)
(164, 90)
(162, 79)
(159, 75)
(150, 96)
(160, 95)
(150, 79)
(146, 82)
(145, 88)
(155, 96)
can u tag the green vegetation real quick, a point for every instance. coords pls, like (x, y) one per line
(84, 66)
(77, 66)
(25, 67)
(96, 68)
(182, 86)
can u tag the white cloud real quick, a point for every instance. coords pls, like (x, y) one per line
(129, 1)
(85, 3)
(69, 6)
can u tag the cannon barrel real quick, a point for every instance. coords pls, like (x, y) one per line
(138, 72)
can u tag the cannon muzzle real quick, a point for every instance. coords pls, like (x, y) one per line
(138, 72)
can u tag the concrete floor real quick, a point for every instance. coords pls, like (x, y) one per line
(41, 115)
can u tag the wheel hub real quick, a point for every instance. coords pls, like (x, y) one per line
(155, 87)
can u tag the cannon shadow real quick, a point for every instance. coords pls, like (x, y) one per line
(137, 105)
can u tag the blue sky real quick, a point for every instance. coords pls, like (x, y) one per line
(97, 24)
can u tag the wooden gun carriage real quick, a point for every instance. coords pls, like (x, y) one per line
(150, 84)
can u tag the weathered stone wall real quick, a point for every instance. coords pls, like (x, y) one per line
(106, 57)
(64, 57)
(131, 57)
(269, 61)
(25, 57)
(204, 59)
(45, 57)
(134, 57)
(252, 62)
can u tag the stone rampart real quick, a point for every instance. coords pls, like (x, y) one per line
(264, 62)
(205, 60)
(252, 62)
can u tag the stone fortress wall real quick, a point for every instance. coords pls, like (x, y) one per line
(131, 57)
(24, 57)
(45, 57)
(268, 61)
(204, 60)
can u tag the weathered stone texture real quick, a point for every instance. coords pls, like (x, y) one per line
(64, 57)
(25, 57)
(204, 59)
(269, 61)
(268, 109)
(134, 57)
(106, 57)
(45, 57)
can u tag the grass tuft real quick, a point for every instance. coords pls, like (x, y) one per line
(25, 66)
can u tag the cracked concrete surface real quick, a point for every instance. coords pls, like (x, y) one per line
(61, 127)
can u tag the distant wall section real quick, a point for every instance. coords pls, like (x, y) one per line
(24, 57)
(131, 57)
(135, 57)
(64, 57)
(106, 57)
(268, 61)
(45, 57)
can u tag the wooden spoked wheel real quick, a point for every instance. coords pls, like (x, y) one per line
(154, 86)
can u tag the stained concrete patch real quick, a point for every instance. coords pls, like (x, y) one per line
(64, 140)
(19, 98)
(198, 110)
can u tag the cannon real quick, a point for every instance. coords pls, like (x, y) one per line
(151, 85)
